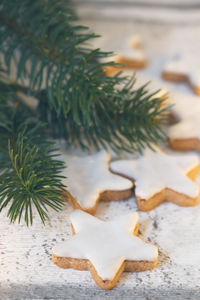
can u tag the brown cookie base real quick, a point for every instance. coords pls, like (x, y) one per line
(170, 196)
(85, 264)
(105, 196)
(196, 89)
(184, 144)
(167, 195)
(126, 64)
(178, 77)
(131, 63)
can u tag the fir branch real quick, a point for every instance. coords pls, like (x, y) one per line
(29, 167)
(33, 180)
(83, 105)
(129, 120)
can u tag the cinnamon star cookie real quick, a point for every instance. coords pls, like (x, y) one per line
(184, 68)
(90, 180)
(159, 177)
(185, 133)
(105, 248)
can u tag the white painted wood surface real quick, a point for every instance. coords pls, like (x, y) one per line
(26, 270)
(154, 11)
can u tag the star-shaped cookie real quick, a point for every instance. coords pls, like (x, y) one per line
(105, 248)
(89, 180)
(159, 176)
(185, 133)
(184, 68)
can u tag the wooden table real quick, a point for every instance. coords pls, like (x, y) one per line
(26, 270)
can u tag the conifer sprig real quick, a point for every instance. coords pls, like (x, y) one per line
(55, 63)
(29, 167)
(53, 55)
(33, 180)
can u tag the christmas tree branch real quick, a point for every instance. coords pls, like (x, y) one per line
(55, 64)
(79, 102)
(33, 180)
(29, 167)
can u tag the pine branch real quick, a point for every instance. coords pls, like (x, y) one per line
(130, 128)
(29, 167)
(32, 181)
(65, 74)
(75, 98)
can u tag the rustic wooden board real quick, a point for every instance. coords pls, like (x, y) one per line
(26, 270)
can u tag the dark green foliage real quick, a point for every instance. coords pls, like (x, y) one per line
(33, 180)
(76, 101)
(28, 164)
(130, 128)
(81, 104)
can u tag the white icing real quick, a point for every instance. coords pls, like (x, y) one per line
(194, 76)
(89, 175)
(129, 49)
(187, 110)
(187, 65)
(132, 53)
(106, 244)
(155, 171)
(134, 41)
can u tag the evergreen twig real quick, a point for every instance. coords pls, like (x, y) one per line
(29, 167)
(65, 74)
(33, 180)
(76, 100)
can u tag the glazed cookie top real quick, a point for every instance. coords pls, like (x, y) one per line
(155, 171)
(106, 244)
(130, 49)
(127, 53)
(187, 110)
(187, 65)
(134, 41)
(89, 175)
(131, 53)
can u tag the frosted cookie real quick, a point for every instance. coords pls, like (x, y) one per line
(130, 56)
(135, 42)
(89, 180)
(105, 248)
(184, 68)
(161, 177)
(185, 133)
